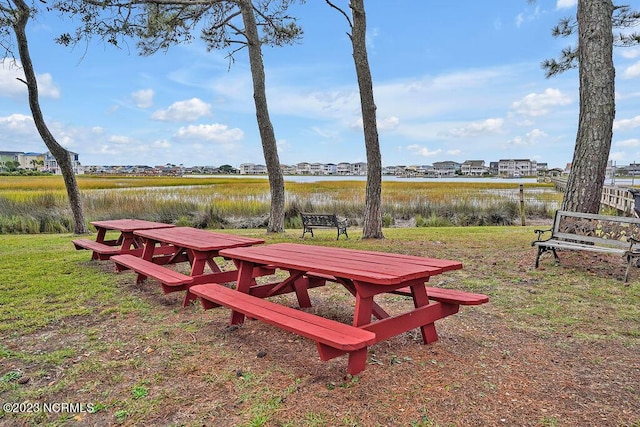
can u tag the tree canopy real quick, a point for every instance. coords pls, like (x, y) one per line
(623, 19)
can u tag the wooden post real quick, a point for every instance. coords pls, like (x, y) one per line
(522, 215)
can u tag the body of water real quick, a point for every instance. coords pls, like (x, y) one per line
(385, 178)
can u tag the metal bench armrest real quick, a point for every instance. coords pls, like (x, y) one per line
(541, 233)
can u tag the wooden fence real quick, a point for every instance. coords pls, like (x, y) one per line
(614, 197)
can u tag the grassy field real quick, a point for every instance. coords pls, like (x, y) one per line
(557, 346)
(39, 204)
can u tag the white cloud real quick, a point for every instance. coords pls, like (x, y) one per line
(189, 110)
(214, 132)
(619, 156)
(540, 104)
(143, 98)
(370, 37)
(161, 143)
(632, 72)
(564, 4)
(46, 87)
(530, 138)
(490, 126)
(120, 139)
(523, 17)
(630, 53)
(634, 142)
(422, 151)
(625, 124)
(325, 133)
(519, 19)
(17, 123)
(388, 123)
(10, 86)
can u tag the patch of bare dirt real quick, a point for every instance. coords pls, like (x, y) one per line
(483, 371)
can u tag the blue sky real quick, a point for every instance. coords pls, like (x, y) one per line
(452, 81)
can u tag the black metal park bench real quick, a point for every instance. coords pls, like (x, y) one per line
(311, 220)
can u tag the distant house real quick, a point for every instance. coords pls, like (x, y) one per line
(360, 168)
(51, 164)
(303, 168)
(514, 168)
(446, 168)
(344, 168)
(473, 168)
(330, 169)
(8, 156)
(252, 169)
(316, 169)
(288, 169)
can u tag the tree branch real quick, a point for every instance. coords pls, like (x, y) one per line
(341, 11)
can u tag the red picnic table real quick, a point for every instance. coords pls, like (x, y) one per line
(365, 274)
(198, 247)
(125, 243)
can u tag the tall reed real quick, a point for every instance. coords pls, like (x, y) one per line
(39, 204)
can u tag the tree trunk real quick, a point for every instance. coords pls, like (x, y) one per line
(372, 228)
(597, 106)
(59, 153)
(267, 135)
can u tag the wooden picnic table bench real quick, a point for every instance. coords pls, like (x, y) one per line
(104, 248)
(364, 274)
(579, 231)
(310, 220)
(168, 246)
(332, 338)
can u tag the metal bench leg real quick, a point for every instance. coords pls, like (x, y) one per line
(540, 250)
(543, 249)
(630, 260)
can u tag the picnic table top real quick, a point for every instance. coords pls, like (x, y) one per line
(380, 268)
(129, 225)
(197, 239)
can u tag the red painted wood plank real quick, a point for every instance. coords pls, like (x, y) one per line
(129, 225)
(449, 296)
(390, 257)
(96, 246)
(374, 267)
(320, 329)
(150, 269)
(351, 255)
(421, 316)
(197, 239)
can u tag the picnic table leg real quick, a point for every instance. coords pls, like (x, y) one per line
(245, 280)
(302, 294)
(102, 232)
(357, 361)
(147, 255)
(198, 260)
(188, 298)
(363, 310)
(420, 298)
(126, 241)
(377, 311)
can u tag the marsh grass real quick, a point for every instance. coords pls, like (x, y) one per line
(31, 205)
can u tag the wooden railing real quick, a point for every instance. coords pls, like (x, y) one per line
(620, 199)
(614, 197)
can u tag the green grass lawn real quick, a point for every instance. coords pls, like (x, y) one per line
(57, 307)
